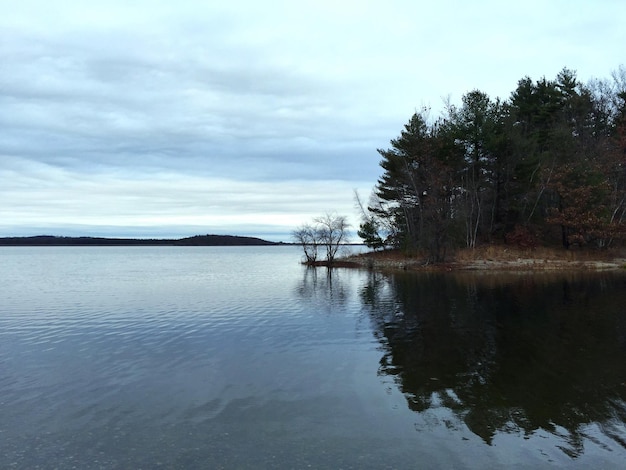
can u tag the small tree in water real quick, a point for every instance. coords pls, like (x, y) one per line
(308, 238)
(333, 231)
(329, 231)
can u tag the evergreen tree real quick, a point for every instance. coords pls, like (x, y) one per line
(549, 162)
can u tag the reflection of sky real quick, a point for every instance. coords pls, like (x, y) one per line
(159, 118)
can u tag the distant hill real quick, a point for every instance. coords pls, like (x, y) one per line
(198, 240)
(222, 240)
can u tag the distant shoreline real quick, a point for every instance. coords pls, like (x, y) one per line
(197, 240)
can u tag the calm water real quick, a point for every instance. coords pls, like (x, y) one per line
(216, 357)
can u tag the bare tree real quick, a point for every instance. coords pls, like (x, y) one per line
(329, 231)
(332, 232)
(307, 237)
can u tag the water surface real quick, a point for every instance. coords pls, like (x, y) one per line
(239, 357)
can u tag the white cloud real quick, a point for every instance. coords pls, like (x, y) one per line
(46, 196)
(242, 114)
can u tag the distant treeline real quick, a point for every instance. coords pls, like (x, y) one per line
(198, 240)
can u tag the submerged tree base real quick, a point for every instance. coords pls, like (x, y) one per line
(338, 263)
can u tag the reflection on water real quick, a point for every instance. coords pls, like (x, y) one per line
(508, 353)
(216, 357)
(325, 286)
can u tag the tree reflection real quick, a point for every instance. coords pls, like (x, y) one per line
(324, 287)
(508, 354)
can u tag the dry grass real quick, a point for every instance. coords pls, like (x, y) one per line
(508, 253)
(497, 257)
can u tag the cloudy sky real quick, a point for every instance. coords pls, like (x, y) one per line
(160, 118)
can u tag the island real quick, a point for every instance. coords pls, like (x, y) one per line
(197, 240)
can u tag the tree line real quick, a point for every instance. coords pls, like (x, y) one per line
(546, 166)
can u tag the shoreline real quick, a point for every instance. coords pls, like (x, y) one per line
(489, 260)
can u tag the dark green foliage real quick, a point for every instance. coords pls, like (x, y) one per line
(368, 231)
(418, 186)
(550, 157)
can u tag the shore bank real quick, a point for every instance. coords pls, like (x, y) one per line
(496, 258)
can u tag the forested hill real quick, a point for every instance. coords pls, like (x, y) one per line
(223, 240)
(198, 240)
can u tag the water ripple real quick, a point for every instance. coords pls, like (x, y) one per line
(129, 358)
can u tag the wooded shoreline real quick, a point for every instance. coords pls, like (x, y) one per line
(545, 167)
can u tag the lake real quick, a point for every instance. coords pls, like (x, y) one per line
(240, 357)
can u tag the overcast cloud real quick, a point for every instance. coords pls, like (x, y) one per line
(158, 118)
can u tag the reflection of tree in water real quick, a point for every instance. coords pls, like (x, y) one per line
(323, 286)
(508, 355)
